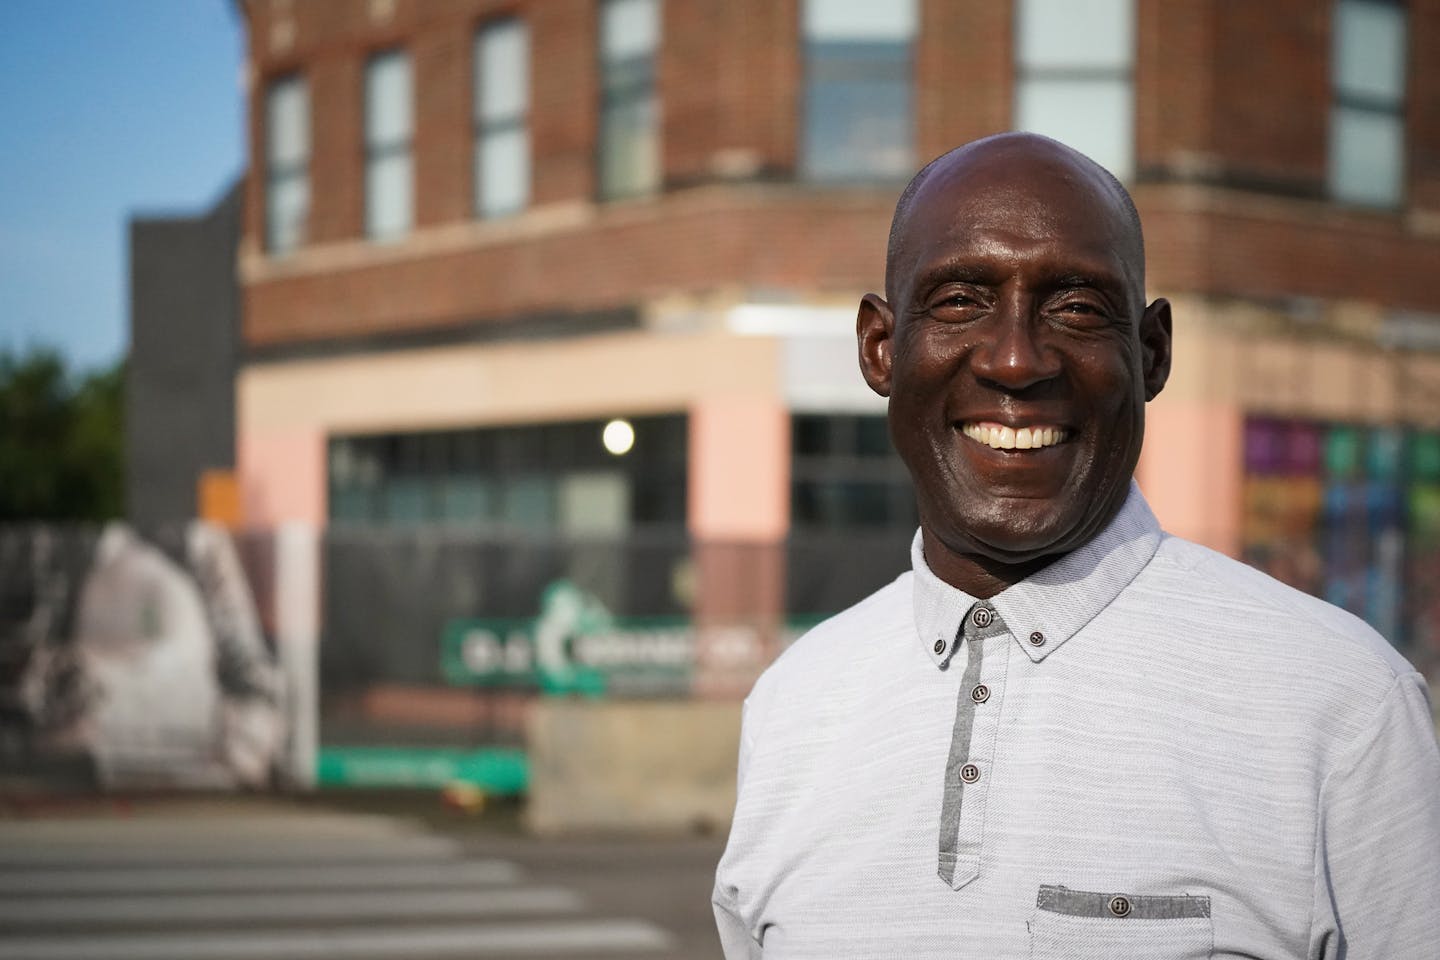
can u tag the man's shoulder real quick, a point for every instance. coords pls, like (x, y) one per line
(847, 639)
(1325, 633)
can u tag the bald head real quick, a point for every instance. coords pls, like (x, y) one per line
(1016, 159)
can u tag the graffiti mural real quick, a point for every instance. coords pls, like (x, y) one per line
(141, 655)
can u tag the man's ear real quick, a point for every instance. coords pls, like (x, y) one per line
(1155, 341)
(874, 333)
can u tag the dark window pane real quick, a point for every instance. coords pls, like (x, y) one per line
(872, 437)
(810, 436)
(533, 477)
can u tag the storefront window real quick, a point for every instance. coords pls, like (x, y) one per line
(542, 478)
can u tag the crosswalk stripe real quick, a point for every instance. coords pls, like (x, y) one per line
(89, 832)
(219, 877)
(238, 850)
(261, 907)
(598, 936)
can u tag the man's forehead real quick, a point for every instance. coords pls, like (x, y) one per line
(1016, 183)
(995, 183)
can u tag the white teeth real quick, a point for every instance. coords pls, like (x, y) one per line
(1009, 438)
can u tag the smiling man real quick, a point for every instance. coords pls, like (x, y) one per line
(1065, 734)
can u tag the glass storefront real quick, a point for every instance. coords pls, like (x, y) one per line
(563, 478)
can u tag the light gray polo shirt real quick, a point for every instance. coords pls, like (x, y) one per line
(1145, 750)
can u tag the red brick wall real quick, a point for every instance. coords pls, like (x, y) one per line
(443, 124)
(565, 93)
(697, 240)
(1174, 94)
(1423, 113)
(1230, 243)
(964, 62)
(1226, 92)
(1271, 72)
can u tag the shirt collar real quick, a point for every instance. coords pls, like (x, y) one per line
(1052, 605)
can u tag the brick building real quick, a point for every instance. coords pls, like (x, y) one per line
(477, 231)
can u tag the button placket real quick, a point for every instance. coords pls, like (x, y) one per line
(968, 773)
(984, 733)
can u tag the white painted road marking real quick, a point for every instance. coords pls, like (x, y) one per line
(238, 850)
(219, 877)
(267, 907)
(290, 888)
(594, 936)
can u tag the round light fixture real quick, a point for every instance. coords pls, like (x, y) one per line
(618, 437)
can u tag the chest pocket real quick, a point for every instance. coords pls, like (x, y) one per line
(1084, 925)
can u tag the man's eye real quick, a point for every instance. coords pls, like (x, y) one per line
(1080, 311)
(956, 301)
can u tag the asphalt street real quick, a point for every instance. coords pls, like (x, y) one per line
(258, 879)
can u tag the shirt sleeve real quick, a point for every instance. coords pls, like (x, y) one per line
(1377, 868)
(735, 939)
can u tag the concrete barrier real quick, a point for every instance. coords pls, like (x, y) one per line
(631, 766)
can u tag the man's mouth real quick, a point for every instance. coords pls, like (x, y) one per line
(1001, 437)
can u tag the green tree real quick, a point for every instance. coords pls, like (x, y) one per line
(61, 440)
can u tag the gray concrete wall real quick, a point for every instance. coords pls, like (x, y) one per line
(632, 766)
(184, 345)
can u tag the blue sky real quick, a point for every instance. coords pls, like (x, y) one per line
(108, 108)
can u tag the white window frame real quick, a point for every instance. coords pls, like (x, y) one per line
(1086, 76)
(498, 122)
(389, 151)
(1354, 108)
(287, 166)
(629, 88)
(867, 157)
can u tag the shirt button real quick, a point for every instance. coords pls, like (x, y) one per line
(939, 646)
(982, 616)
(980, 693)
(969, 773)
(1120, 906)
(1037, 639)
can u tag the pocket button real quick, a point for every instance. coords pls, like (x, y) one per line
(1120, 906)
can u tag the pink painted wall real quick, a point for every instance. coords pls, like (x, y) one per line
(1191, 470)
(282, 476)
(739, 469)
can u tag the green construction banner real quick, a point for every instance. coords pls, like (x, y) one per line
(498, 771)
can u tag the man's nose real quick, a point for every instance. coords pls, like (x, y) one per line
(1012, 354)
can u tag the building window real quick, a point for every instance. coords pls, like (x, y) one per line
(502, 103)
(629, 107)
(389, 122)
(859, 119)
(558, 478)
(844, 474)
(287, 164)
(1075, 64)
(852, 511)
(1367, 115)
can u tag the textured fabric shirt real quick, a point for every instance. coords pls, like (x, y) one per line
(1145, 750)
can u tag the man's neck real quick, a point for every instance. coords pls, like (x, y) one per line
(981, 577)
